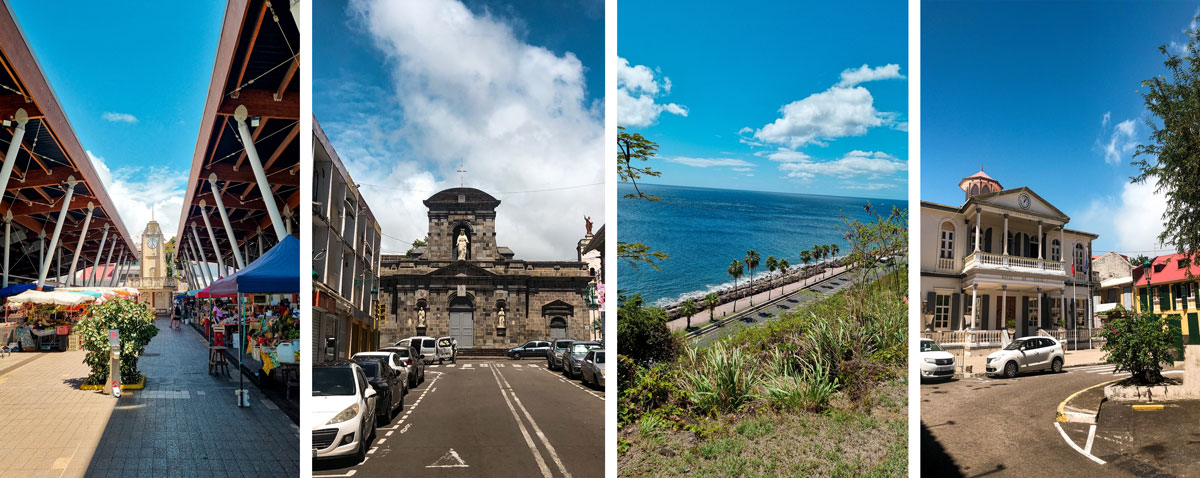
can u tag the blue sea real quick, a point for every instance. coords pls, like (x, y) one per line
(703, 230)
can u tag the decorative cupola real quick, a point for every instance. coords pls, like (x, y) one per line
(979, 183)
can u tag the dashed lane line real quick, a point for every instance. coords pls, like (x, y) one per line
(576, 385)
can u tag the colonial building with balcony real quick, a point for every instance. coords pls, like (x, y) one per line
(1003, 260)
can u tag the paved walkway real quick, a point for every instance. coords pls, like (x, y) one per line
(185, 422)
(727, 308)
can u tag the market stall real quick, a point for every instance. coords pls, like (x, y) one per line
(265, 316)
(43, 320)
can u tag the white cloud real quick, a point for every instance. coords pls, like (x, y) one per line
(1181, 48)
(710, 162)
(870, 186)
(119, 117)
(871, 165)
(1106, 119)
(636, 92)
(1121, 142)
(469, 91)
(833, 113)
(744, 170)
(862, 74)
(134, 191)
(785, 155)
(1133, 220)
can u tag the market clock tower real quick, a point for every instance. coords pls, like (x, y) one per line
(155, 287)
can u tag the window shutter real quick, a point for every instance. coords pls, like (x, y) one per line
(955, 310)
(930, 302)
(1023, 317)
(1044, 302)
(983, 309)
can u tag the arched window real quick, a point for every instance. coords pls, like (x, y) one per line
(975, 189)
(1055, 250)
(946, 247)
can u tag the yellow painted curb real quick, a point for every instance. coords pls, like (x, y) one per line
(1147, 407)
(1061, 415)
(141, 384)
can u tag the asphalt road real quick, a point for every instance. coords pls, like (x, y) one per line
(793, 300)
(979, 427)
(488, 418)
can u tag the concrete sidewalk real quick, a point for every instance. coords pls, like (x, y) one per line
(973, 363)
(184, 423)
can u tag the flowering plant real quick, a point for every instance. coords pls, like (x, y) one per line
(1141, 345)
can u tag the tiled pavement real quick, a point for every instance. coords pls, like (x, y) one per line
(185, 423)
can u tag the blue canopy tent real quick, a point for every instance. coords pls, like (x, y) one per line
(276, 272)
(19, 288)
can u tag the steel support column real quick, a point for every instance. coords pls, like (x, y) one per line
(14, 148)
(90, 280)
(260, 177)
(203, 260)
(233, 243)
(7, 243)
(79, 246)
(213, 239)
(58, 229)
(107, 261)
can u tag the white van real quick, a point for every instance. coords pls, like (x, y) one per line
(426, 346)
(447, 349)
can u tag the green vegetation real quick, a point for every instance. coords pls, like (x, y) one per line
(136, 326)
(736, 270)
(1141, 345)
(633, 150)
(752, 258)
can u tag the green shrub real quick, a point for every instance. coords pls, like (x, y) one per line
(1141, 345)
(136, 327)
(810, 391)
(644, 335)
(649, 390)
(719, 378)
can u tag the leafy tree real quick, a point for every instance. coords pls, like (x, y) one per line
(712, 300)
(689, 309)
(1140, 345)
(169, 254)
(735, 269)
(136, 327)
(752, 262)
(645, 337)
(633, 150)
(417, 243)
(1173, 154)
(772, 266)
(879, 243)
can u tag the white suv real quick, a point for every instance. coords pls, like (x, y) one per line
(1027, 354)
(936, 362)
(343, 407)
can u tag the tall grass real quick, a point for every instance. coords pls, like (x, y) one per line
(719, 378)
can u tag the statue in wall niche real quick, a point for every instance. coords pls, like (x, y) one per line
(421, 317)
(500, 318)
(462, 242)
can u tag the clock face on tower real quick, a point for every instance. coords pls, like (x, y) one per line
(152, 243)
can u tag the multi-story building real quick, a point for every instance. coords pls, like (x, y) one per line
(1002, 260)
(346, 255)
(1113, 275)
(1169, 290)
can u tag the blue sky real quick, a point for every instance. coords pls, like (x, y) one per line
(132, 82)
(409, 92)
(1046, 95)
(705, 81)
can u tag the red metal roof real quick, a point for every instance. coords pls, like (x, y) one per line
(1166, 269)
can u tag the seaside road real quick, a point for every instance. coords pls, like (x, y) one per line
(488, 418)
(765, 314)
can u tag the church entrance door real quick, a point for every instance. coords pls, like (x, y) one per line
(558, 329)
(462, 322)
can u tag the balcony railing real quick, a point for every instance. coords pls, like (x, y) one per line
(966, 338)
(996, 261)
(945, 264)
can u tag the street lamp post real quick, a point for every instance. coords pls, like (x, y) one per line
(1149, 299)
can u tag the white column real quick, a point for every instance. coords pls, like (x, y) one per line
(1003, 307)
(79, 245)
(287, 224)
(260, 177)
(107, 261)
(977, 219)
(203, 260)
(14, 148)
(91, 278)
(112, 281)
(233, 243)
(58, 229)
(41, 247)
(1040, 241)
(974, 306)
(1006, 234)
(7, 245)
(213, 239)
(258, 238)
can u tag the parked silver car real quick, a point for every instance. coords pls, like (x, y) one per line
(1027, 354)
(554, 355)
(572, 358)
(593, 368)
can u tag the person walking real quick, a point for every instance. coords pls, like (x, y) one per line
(176, 317)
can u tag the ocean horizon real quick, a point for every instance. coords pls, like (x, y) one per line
(704, 229)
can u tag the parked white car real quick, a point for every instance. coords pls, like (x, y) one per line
(343, 409)
(936, 362)
(447, 349)
(1027, 354)
(426, 346)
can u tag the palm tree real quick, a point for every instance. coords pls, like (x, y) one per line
(689, 309)
(735, 270)
(772, 265)
(783, 265)
(833, 250)
(806, 256)
(751, 262)
(818, 255)
(712, 300)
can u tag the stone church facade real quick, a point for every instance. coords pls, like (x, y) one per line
(464, 285)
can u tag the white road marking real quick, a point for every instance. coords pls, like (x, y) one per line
(388, 434)
(450, 366)
(402, 430)
(524, 432)
(536, 429)
(1076, 447)
(465, 365)
(516, 365)
(481, 365)
(372, 450)
(449, 460)
(1091, 436)
(346, 475)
